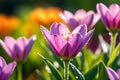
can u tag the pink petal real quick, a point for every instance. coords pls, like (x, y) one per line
(82, 29)
(75, 45)
(88, 36)
(19, 48)
(80, 14)
(59, 43)
(50, 39)
(116, 20)
(7, 71)
(63, 17)
(68, 14)
(58, 28)
(102, 9)
(2, 62)
(29, 46)
(8, 45)
(114, 9)
(95, 20)
(112, 74)
(88, 20)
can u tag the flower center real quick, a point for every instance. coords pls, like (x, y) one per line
(67, 36)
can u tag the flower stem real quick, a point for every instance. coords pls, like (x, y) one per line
(113, 42)
(66, 69)
(19, 67)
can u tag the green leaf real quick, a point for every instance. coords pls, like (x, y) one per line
(39, 75)
(113, 55)
(91, 73)
(102, 72)
(53, 69)
(78, 74)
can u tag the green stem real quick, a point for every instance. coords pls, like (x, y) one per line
(113, 42)
(19, 67)
(66, 69)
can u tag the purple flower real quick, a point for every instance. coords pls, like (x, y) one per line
(80, 17)
(6, 69)
(110, 16)
(17, 49)
(112, 74)
(64, 43)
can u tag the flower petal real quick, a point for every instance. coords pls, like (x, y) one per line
(75, 45)
(112, 74)
(88, 36)
(88, 20)
(114, 9)
(81, 29)
(7, 71)
(58, 28)
(19, 48)
(102, 9)
(8, 45)
(51, 40)
(59, 44)
(29, 46)
(2, 62)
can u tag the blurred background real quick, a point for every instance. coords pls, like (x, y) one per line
(24, 17)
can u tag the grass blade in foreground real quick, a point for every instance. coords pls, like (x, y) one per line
(53, 69)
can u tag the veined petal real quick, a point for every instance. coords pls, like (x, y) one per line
(102, 9)
(7, 71)
(112, 74)
(114, 9)
(2, 62)
(81, 29)
(73, 23)
(75, 45)
(116, 20)
(80, 15)
(88, 20)
(51, 40)
(88, 36)
(80, 12)
(5, 46)
(58, 28)
(59, 43)
(19, 47)
(63, 17)
(95, 20)
(68, 14)
(29, 46)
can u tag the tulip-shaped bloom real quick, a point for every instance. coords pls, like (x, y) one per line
(17, 49)
(64, 43)
(112, 74)
(80, 17)
(6, 69)
(110, 16)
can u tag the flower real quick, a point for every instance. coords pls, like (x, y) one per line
(112, 74)
(8, 24)
(17, 49)
(6, 69)
(110, 16)
(45, 16)
(80, 17)
(64, 43)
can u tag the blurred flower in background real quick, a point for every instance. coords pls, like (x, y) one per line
(8, 24)
(18, 49)
(45, 16)
(81, 16)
